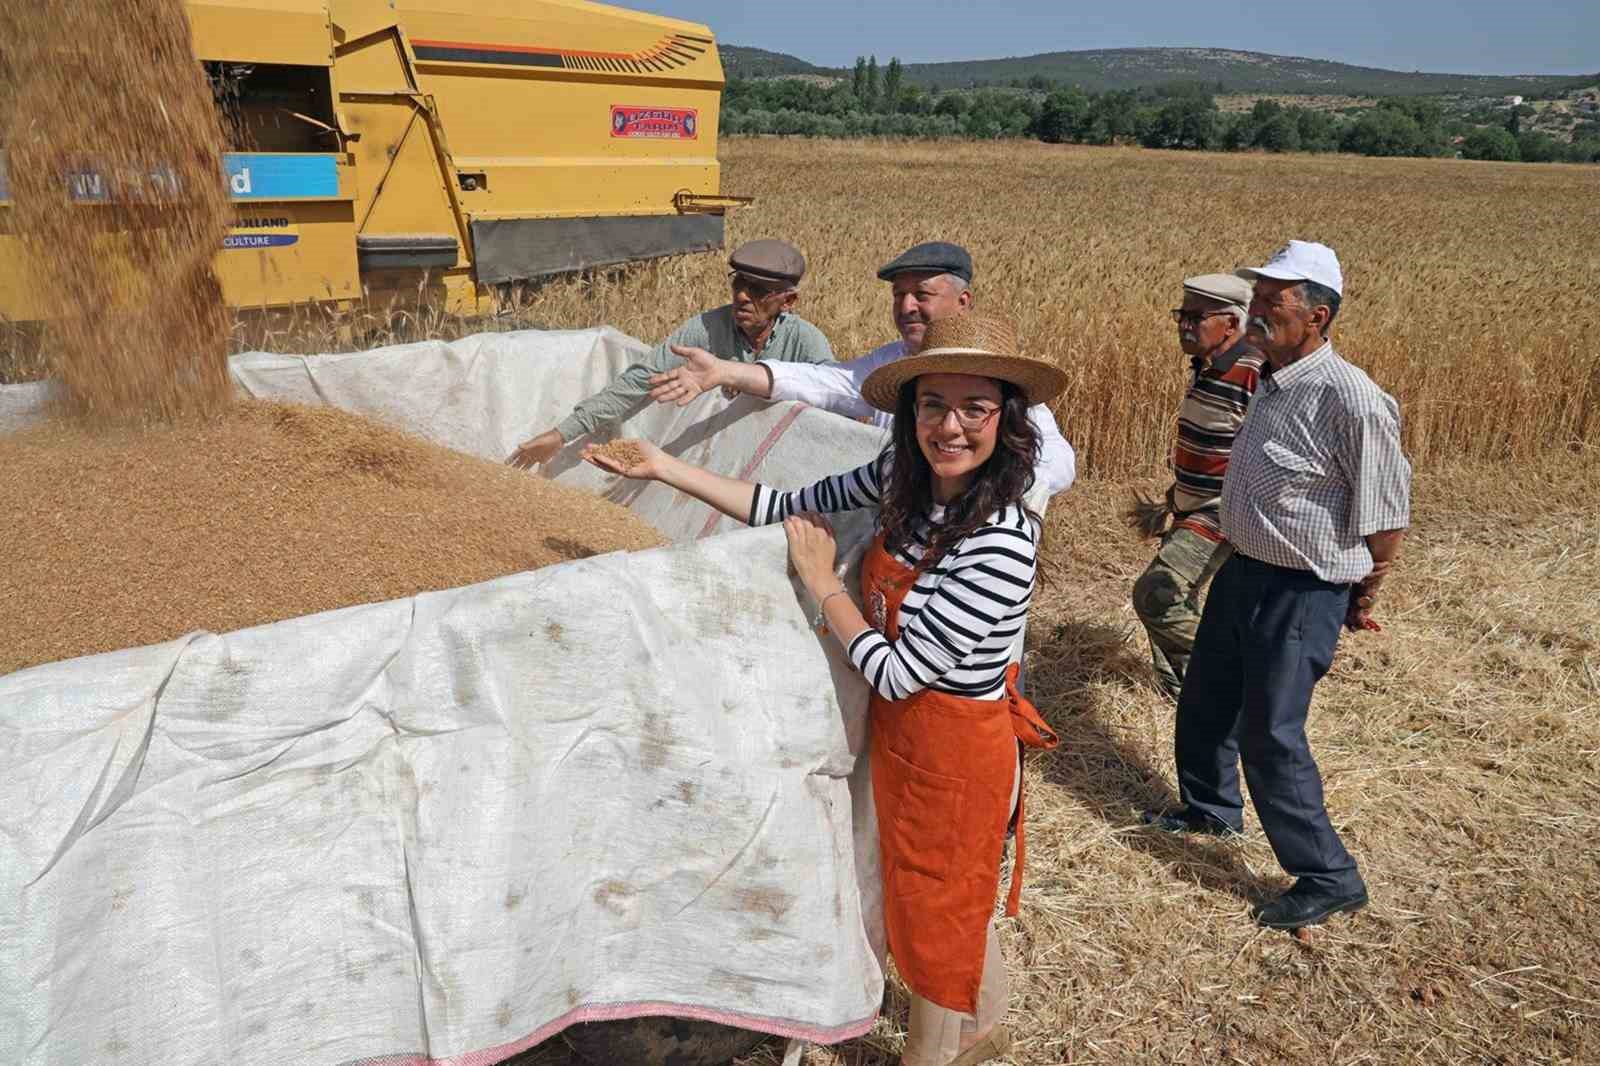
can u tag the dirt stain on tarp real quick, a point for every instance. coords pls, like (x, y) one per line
(771, 902)
(251, 958)
(502, 1014)
(366, 900)
(738, 984)
(514, 898)
(615, 896)
(658, 741)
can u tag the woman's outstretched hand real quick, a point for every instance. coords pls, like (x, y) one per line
(637, 459)
(813, 551)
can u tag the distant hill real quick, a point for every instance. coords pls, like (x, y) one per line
(1132, 68)
(741, 62)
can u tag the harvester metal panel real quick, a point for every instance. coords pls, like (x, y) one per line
(294, 32)
(524, 140)
(510, 249)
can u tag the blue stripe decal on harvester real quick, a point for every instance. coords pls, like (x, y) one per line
(250, 176)
(260, 176)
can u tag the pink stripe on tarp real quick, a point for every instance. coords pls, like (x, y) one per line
(621, 1011)
(755, 460)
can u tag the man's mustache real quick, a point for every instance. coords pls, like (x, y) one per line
(1259, 324)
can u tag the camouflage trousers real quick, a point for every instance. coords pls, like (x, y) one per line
(1167, 599)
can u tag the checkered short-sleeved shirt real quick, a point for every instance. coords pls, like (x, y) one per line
(1316, 468)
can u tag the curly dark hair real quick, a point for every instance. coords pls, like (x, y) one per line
(907, 499)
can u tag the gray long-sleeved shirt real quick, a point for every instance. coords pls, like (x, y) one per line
(793, 340)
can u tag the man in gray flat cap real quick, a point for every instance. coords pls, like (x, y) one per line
(759, 323)
(1225, 368)
(928, 281)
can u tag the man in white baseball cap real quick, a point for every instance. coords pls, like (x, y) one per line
(1301, 261)
(1315, 501)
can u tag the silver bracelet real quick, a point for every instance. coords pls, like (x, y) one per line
(820, 622)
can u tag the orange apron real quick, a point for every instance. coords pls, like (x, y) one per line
(942, 771)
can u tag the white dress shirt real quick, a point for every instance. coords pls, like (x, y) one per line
(836, 387)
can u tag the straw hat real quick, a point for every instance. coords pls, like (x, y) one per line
(979, 344)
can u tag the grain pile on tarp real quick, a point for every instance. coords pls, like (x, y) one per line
(264, 513)
(118, 194)
(447, 827)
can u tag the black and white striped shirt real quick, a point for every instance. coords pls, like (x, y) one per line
(960, 620)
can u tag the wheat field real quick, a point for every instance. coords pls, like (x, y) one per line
(1471, 289)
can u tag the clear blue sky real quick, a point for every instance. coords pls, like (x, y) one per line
(1467, 37)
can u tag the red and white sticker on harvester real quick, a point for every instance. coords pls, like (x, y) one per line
(663, 123)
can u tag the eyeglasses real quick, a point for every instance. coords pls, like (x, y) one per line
(758, 290)
(1180, 315)
(931, 412)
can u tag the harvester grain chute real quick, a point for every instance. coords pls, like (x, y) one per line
(452, 146)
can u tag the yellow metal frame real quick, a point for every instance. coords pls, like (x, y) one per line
(453, 110)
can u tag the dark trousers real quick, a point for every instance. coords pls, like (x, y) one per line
(1266, 638)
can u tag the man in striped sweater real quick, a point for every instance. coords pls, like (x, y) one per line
(1226, 369)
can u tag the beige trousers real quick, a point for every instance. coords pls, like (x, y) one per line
(935, 1035)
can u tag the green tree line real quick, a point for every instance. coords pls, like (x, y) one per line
(876, 102)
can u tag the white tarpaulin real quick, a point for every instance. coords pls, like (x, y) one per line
(444, 828)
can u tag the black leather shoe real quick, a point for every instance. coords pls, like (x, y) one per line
(1303, 906)
(1188, 820)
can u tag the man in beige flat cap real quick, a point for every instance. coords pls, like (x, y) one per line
(758, 323)
(1226, 369)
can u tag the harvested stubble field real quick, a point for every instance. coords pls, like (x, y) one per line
(1461, 746)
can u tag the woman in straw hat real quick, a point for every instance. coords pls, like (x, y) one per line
(945, 589)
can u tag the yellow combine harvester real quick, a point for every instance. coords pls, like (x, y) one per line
(470, 142)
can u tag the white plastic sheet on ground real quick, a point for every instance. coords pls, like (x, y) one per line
(444, 828)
